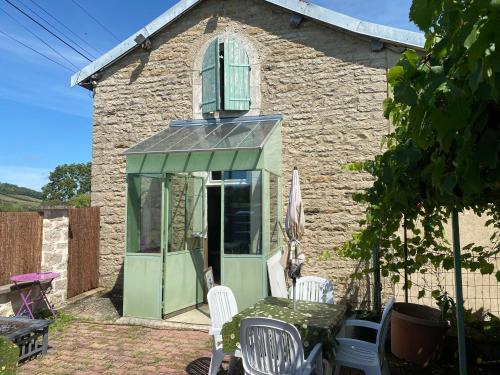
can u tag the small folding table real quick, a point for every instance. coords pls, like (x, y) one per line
(36, 280)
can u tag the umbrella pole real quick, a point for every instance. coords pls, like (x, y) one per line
(458, 293)
(294, 297)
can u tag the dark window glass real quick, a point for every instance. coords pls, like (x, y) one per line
(242, 212)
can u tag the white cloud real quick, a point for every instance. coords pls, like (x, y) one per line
(30, 177)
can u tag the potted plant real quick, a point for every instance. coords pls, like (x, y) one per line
(425, 325)
(482, 331)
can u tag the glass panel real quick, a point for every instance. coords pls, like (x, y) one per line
(185, 228)
(257, 136)
(243, 212)
(177, 213)
(202, 135)
(273, 210)
(144, 214)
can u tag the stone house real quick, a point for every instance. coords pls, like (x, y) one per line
(199, 119)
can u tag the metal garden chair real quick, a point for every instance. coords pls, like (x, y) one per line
(273, 347)
(314, 289)
(362, 355)
(223, 307)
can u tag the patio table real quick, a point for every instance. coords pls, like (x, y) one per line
(316, 322)
(35, 279)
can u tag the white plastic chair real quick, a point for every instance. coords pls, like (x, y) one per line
(223, 307)
(362, 355)
(209, 278)
(273, 347)
(314, 289)
(276, 275)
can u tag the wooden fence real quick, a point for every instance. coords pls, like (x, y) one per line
(83, 250)
(20, 243)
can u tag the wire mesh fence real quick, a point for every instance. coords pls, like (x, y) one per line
(479, 291)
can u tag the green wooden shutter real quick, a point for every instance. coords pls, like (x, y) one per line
(236, 77)
(210, 101)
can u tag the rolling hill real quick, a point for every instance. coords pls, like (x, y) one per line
(17, 198)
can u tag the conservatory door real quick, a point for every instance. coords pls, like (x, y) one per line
(183, 279)
(243, 265)
(144, 259)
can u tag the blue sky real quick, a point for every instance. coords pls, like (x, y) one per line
(43, 121)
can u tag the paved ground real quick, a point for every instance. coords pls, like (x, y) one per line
(103, 347)
(101, 306)
(84, 348)
(94, 348)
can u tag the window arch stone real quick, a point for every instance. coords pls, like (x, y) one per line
(255, 76)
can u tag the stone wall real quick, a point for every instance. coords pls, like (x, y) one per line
(329, 86)
(54, 258)
(55, 252)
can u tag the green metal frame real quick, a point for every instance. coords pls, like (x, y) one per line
(142, 272)
(237, 271)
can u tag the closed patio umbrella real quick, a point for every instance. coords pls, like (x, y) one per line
(294, 227)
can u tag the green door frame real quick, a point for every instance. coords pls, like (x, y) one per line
(184, 289)
(142, 271)
(239, 270)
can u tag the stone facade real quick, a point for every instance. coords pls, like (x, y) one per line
(328, 85)
(55, 252)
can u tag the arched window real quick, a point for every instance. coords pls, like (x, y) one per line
(225, 76)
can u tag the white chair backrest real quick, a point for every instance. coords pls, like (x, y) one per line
(222, 305)
(276, 275)
(270, 347)
(384, 326)
(314, 289)
(209, 278)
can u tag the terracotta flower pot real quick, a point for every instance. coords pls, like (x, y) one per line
(417, 333)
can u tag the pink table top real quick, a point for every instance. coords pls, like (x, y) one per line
(32, 277)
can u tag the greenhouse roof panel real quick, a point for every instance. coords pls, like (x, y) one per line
(248, 132)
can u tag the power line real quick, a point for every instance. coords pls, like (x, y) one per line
(49, 31)
(34, 50)
(63, 25)
(55, 28)
(96, 20)
(40, 39)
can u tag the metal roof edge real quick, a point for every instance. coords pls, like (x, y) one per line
(222, 120)
(128, 44)
(330, 17)
(315, 12)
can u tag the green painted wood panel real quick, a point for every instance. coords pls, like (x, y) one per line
(142, 286)
(183, 280)
(196, 161)
(245, 276)
(236, 77)
(210, 79)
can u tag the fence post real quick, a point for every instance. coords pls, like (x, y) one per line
(377, 303)
(458, 293)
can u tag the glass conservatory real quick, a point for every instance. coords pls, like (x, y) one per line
(201, 193)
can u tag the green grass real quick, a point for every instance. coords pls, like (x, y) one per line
(62, 321)
(9, 354)
(16, 202)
